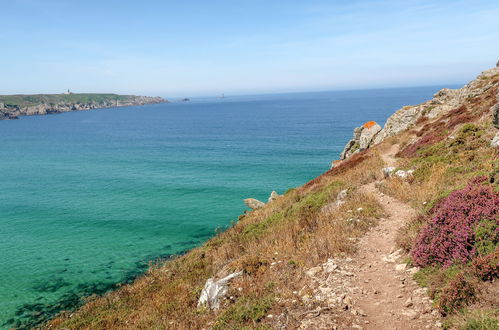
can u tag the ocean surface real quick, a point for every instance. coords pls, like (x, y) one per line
(88, 199)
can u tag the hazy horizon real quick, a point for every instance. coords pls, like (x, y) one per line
(249, 47)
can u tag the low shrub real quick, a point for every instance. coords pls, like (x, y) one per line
(426, 140)
(449, 237)
(456, 294)
(487, 267)
(486, 236)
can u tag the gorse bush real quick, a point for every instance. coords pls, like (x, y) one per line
(450, 237)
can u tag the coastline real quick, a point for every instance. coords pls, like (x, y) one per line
(293, 260)
(15, 106)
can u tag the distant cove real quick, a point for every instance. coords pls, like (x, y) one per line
(89, 198)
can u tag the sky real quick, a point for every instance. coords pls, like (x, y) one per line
(208, 47)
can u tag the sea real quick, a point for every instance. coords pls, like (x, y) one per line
(89, 199)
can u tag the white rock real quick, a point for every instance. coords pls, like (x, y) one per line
(312, 271)
(495, 141)
(329, 266)
(393, 256)
(388, 171)
(402, 174)
(400, 267)
(413, 270)
(273, 196)
(330, 207)
(213, 291)
(253, 203)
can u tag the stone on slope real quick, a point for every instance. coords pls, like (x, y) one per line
(214, 291)
(388, 172)
(253, 203)
(495, 114)
(273, 196)
(495, 141)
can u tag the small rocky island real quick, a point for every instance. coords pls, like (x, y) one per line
(14, 106)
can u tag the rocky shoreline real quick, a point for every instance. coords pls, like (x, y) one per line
(14, 106)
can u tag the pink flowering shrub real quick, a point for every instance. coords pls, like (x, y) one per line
(449, 237)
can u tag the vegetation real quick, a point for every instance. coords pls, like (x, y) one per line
(454, 238)
(456, 226)
(273, 246)
(35, 99)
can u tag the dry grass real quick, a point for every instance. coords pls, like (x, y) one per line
(272, 245)
(276, 244)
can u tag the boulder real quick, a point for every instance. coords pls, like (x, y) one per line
(214, 291)
(495, 115)
(404, 174)
(495, 141)
(273, 196)
(253, 203)
(340, 200)
(388, 172)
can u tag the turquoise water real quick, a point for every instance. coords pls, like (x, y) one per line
(87, 199)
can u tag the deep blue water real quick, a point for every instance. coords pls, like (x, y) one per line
(88, 198)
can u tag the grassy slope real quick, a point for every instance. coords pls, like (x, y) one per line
(294, 234)
(29, 100)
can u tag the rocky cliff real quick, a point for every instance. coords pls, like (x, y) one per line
(442, 103)
(13, 106)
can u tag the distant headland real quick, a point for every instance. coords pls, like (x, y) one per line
(14, 106)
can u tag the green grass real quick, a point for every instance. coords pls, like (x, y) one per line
(302, 208)
(246, 310)
(484, 323)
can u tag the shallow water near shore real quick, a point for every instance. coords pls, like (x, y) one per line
(88, 198)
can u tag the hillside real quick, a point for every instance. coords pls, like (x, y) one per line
(13, 106)
(400, 233)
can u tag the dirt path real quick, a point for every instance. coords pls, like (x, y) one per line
(388, 296)
(374, 289)
(389, 155)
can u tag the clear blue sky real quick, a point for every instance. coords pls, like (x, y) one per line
(242, 46)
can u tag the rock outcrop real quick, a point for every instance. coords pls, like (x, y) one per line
(442, 102)
(273, 196)
(14, 106)
(362, 138)
(253, 203)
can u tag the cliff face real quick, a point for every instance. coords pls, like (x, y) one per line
(442, 102)
(13, 106)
